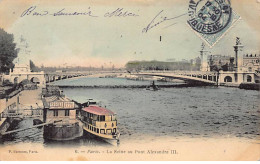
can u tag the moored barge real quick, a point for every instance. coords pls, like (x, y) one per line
(62, 112)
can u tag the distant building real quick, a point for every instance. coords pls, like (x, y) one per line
(184, 61)
(219, 59)
(223, 62)
(21, 68)
(171, 60)
(161, 65)
(251, 62)
(196, 63)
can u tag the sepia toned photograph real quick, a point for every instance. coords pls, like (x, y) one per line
(129, 80)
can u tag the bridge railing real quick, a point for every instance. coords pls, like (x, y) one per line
(210, 77)
(180, 72)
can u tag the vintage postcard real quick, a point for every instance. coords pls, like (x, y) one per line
(128, 80)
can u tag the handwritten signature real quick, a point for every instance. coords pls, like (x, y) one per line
(157, 20)
(119, 12)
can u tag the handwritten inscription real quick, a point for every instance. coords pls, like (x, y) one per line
(159, 19)
(62, 12)
(31, 11)
(119, 12)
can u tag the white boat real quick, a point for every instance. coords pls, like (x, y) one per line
(100, 122)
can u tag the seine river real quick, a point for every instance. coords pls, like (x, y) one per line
(191, 112)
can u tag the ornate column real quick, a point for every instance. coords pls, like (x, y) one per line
(238, 60)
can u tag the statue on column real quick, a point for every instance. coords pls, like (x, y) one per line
(238, 59)
(238, 41)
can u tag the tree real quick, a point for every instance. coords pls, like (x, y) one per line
(8, 51)
(33, 67)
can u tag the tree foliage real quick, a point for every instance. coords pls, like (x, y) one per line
(33, 67)
(8, 51)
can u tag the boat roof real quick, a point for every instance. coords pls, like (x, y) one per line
(98, 110)
(48, 100)
(56, 98)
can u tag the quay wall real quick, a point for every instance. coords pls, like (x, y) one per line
(250, 86)
(28, 99)
(247, 86)
(5, 124)
(5, 103)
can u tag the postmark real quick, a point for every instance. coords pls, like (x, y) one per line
(211, 19)
(209, 16)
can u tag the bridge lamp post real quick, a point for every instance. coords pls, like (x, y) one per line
(217, 76)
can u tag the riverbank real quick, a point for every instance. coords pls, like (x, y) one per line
(250, 86)
(246, 86)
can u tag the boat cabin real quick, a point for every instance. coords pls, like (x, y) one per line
(58, 108)
(60, 112)
(99, 121)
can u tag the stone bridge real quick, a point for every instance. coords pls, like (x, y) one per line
(196, 77)
(35, 77)
(210, 78)
(56, 76)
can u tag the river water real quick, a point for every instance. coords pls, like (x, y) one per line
(188, 112)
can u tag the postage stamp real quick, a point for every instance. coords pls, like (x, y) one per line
(211, 19)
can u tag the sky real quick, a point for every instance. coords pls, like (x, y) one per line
(95, 41)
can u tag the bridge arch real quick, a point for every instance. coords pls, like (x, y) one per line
(228, 79)
(35, 80)
(199, 76)
(248, 78)
(52, 78)
(58, 77)
(210, 77)
(47, 78)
